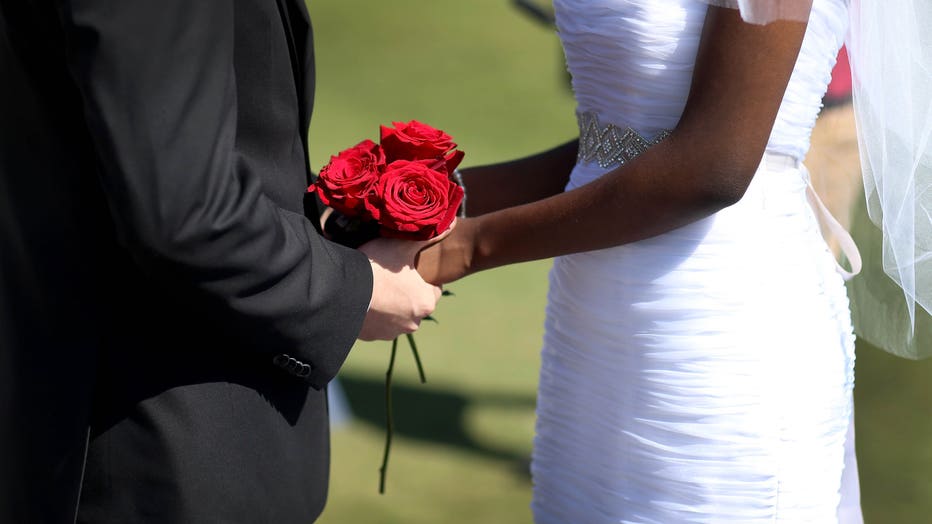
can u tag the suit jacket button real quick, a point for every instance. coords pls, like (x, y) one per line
(280, 360)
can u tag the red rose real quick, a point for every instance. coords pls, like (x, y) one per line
(414, 141)
(452, 160)
(413, 201)
(347, 180)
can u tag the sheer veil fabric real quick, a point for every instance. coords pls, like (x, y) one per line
(890, 46)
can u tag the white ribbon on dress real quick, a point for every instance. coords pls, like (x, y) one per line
(829, 222)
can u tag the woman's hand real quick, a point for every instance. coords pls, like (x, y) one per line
(451, 258)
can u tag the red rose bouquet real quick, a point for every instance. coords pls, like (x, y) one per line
(399, 188)
(402, 187)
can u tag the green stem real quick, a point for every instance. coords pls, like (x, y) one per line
(417, 358)
(388, 417)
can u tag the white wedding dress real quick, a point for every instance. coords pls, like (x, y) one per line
(704, 375)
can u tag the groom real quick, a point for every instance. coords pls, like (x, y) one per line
(169, 317)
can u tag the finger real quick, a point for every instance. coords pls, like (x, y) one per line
(323, 218)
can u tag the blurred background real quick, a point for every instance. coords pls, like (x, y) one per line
(492, 75)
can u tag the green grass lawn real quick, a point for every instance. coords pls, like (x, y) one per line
(494, 80)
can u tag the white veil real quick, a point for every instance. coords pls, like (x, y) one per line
(890, 44)
(890, 47)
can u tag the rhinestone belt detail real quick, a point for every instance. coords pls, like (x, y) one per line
(610, 145)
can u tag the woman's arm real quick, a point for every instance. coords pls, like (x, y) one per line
(499, 186)
(705, 165)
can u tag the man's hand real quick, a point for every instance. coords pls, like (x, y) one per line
(400, 297)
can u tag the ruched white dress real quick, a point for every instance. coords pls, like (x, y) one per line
(704, 375)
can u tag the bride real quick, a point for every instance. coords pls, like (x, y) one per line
(698, 360)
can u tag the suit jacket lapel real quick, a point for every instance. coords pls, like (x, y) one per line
(297, 26)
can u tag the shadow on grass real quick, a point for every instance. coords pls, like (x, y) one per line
(432, 415)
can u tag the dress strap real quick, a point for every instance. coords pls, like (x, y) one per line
(824, 216)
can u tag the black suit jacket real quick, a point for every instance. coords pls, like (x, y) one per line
(163, 296)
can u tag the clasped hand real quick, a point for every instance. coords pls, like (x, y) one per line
(401, 298)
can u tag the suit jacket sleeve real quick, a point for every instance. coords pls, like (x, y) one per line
(157, 80)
